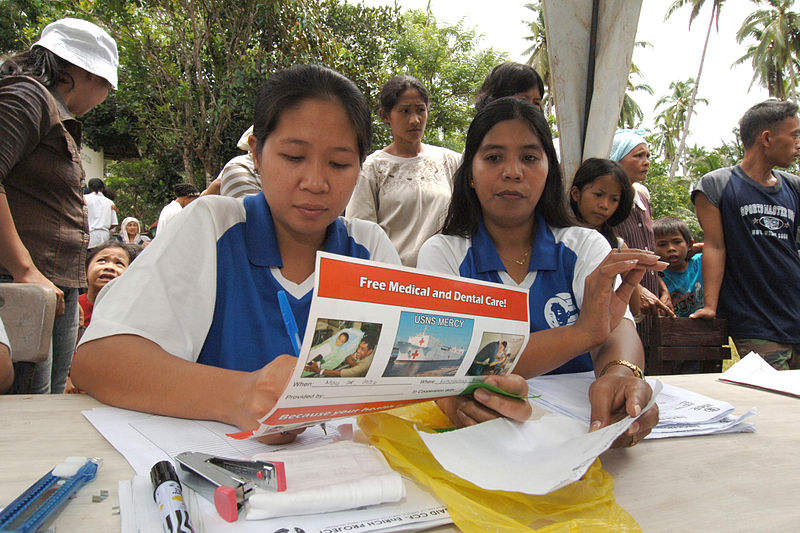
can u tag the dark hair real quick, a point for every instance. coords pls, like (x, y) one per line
(370, 340)
(346, 336)
(392, 89)
(288, 88)
(464, 213)
(185, 189)
(587, 173)
(762, 117)
(668, 225)
(504, 343)
(132, 250)
(96, 185)
(507, 79)
(39, 63)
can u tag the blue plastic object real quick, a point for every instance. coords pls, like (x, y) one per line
(34, 507)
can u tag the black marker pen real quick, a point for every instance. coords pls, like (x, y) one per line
(168, 495)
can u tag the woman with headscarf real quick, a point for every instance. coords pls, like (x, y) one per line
(630, 150)
(43, 227)
(131, 232)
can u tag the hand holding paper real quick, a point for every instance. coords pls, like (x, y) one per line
(266, 387)
(613, 396)
(485, 405)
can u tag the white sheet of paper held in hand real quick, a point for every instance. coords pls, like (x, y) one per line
(433, 335)
(534, 457)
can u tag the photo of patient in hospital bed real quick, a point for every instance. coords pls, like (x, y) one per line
(344, 348)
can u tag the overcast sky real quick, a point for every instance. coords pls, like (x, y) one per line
(675, 54)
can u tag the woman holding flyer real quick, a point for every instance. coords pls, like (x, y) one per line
(210, 319)
(508, 223)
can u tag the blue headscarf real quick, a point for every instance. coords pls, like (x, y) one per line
(624, 142)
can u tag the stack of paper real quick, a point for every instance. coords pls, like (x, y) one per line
(753, 371)
(682, 413)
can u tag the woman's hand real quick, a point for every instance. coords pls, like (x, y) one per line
(265, 387)
(485, 405)
(603, 307)
(34, 276)
(616, 394)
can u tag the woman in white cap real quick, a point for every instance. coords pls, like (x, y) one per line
(131, 232)
(630, 150)
(43, 226)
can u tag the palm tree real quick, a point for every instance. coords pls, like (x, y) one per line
(631, 114)
(716, 5)
(777, 34)
(539, 59)
(671, 120)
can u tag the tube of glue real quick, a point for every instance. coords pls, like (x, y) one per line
(168, 494)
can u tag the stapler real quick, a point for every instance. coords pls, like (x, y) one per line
(229, 482)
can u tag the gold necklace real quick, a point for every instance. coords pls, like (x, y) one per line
(520, 261)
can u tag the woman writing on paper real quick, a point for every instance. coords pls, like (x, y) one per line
(508, 223)
(210, 320)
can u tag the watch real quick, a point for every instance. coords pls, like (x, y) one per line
(634, 368)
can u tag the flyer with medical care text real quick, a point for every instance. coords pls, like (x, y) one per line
(381, 336)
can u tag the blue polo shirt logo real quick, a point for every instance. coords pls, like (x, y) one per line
(560, 310)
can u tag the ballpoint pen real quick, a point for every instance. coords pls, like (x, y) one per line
(291, 329)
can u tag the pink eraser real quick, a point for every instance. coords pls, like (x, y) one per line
(225, 502)
(280, 475)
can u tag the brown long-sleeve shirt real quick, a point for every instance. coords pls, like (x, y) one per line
(42, 177)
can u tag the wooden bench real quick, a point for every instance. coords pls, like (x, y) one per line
(668, 340)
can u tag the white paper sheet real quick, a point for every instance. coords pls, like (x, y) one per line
(752, 370)
(533, 457)
(682, 413)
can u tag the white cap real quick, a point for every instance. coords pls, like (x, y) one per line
(83, 44)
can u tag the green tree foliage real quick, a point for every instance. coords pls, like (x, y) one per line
(670, 197)
(774, 56)
(447, 60)
(539, 59)
(631, 115)
(672, 118)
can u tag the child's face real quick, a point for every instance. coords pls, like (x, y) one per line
(309, 166)
(598, 200)
(509, 173)
(673, 249)
(105, 266)
(341, 339)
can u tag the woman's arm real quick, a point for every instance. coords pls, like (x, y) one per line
(134, 373)
(15, 258)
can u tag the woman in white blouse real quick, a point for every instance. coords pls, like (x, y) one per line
(406, 186)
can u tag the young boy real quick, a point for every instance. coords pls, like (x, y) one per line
(684, 275)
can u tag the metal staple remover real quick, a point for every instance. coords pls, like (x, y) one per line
(229, 482)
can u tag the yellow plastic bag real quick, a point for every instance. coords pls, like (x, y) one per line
(586, 505)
